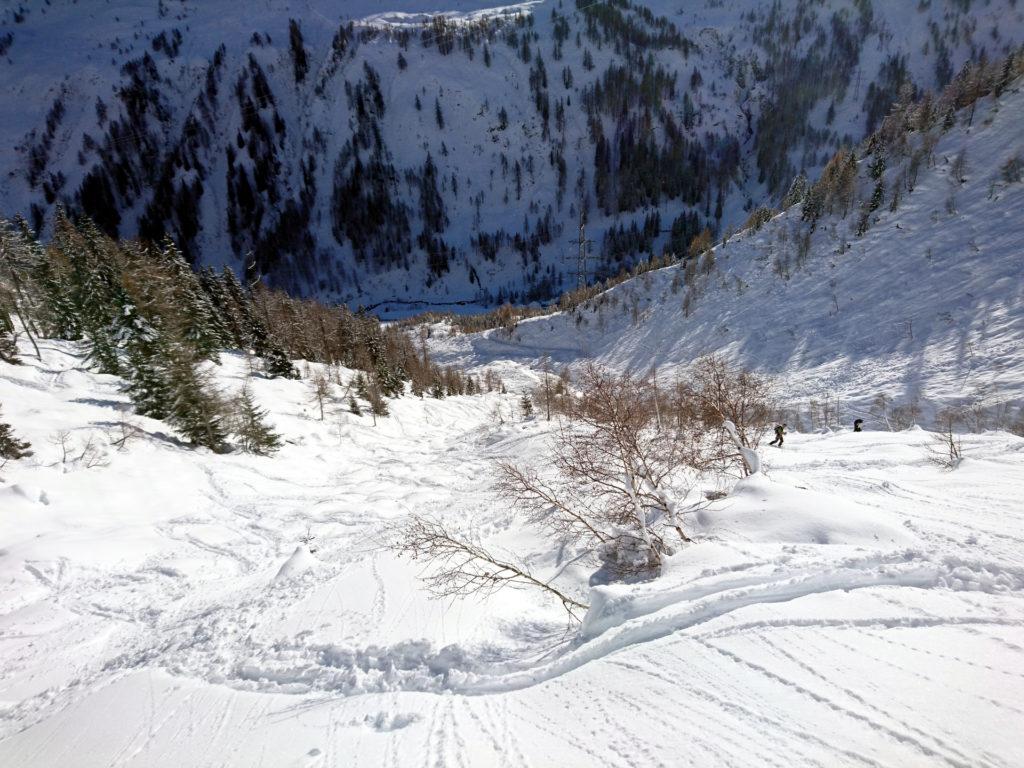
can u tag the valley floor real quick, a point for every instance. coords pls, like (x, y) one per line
(856, 606)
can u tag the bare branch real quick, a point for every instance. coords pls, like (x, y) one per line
(464, 568)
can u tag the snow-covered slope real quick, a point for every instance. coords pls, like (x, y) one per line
(301, 131)
(161, 606)
(927, 304)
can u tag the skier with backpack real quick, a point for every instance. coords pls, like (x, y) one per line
(780, 430)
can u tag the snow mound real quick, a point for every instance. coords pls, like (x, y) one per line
(29, 493)
(760, 510)
(300, 561)
(296, 667)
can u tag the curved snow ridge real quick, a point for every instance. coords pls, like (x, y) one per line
(611, 625)
(404, 19)
(412, 665)
(920, 574)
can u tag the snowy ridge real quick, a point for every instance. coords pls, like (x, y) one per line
(399, 19)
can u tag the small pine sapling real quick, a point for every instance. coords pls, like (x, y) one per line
(11, 448)
(251, 428)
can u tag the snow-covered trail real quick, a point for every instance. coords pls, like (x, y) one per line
(857, 607)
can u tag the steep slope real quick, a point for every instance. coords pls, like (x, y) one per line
(408, 154)
(161, 606)
(926, 304)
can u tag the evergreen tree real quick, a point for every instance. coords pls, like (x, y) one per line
(10, 446)
(200, 326)
(220, 302)
(797, 191)
(97, 293)
(526, 406)
(59, 316)
(360, 385)
(276, 362)
(8, 346)
(237, 309)
(145, 352)
(250, 426)
(197, 411)
(877, 167)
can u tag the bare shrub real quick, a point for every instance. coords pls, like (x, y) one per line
(62, 440)
(945, 449)
(626, 454)
(896, 417)
(123, 432)
(616, 468)
(92, 454)
(716, 392)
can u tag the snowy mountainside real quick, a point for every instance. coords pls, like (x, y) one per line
(161, 606)
(925, 304)
(406, 153)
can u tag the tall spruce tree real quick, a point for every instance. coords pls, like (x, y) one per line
(146, 352)
(200, 325)
(249, 424)
(197, 411)
(96, 292)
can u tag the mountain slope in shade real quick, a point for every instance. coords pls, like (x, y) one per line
(371, 153)
(927, 304)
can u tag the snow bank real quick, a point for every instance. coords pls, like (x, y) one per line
(765, 511)
(301, 560)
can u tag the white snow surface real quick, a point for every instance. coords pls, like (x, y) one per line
(853, 604)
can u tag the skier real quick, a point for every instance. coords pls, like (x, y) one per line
(856, 425)
(780, 430)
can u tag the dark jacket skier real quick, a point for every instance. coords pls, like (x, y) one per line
(780, 430)
(856, 425)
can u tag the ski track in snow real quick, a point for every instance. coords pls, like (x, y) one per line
(351, 646)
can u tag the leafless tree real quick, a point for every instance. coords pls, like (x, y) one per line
(625, 455)
(547, 386)
(461, 567)
(92, 454)
(945, 449)
(716, 392)
(62, 439)
(614, 473)
(319, 391)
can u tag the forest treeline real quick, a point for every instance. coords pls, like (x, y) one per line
(143, 314)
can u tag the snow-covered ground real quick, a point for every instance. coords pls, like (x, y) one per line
(855, 605)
